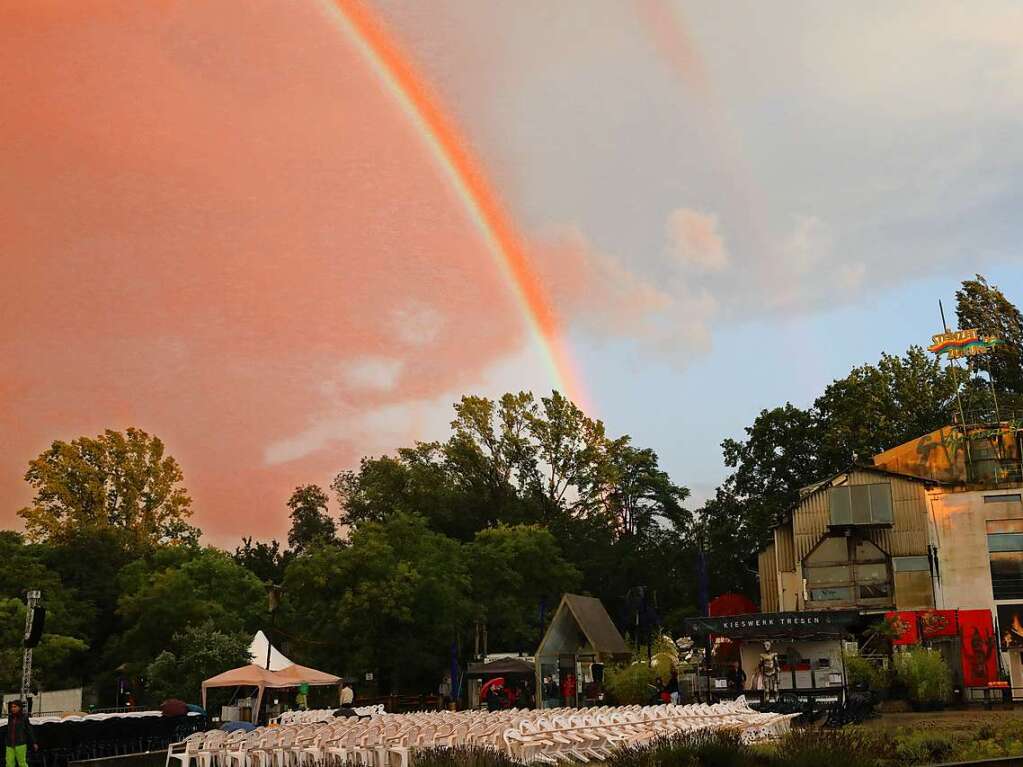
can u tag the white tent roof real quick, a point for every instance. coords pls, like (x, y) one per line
(257, 650)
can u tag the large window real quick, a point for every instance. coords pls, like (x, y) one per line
(861, 504)
(847, 570)
(1006, 552)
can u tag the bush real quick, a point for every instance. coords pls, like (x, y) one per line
(828, 748)
(628, 685)
(700, 749)
(462, 757)
(861, 671)
(925, 676)
(924, 747)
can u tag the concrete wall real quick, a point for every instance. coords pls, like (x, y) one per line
(960, 534)
(51, 701)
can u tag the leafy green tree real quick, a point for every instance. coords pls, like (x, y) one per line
(515, 569)
(264, 560)
(391, 601)
(879, 406)
(56, 660)
(311, 524)
(983, 306)
(198, 652)
(181, 588)
(122, 480)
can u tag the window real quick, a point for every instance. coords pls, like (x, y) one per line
(911, 564)
(861, 504)
(848, 569)
(1007, 498)
(1006, 553)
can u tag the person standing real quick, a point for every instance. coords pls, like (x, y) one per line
(20, 735)
(672, 687)
(347, 695)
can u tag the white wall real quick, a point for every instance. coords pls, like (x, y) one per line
(50, 701)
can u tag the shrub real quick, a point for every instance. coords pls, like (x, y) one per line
(700, 749)
(859, 671)
(630, 684)
(924, 747)
(831, 748)
(462, 757)
(925, 676)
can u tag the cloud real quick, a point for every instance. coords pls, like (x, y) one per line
(694, 240)
(600, 294)
(377, 373)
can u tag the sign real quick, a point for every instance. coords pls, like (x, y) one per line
(979, 647)
(776, 625)
(903, 627)
(369, 676)
(962, 343)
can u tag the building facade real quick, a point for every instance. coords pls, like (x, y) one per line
(936, 523)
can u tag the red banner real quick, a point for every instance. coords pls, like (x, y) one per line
(938, 623)
(904, 627)
(979, 645)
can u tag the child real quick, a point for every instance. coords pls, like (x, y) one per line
(19, 735)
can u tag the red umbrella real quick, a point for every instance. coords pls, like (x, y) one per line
(497, 681)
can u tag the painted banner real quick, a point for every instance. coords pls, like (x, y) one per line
(938, 623)
(1010, 626)
(979, 644)
(961, 343)
(904, 627)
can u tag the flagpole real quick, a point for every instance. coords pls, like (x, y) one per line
(959, 399)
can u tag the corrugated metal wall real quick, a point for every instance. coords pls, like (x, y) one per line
(906, 537)
(768, 565)
(785, 547)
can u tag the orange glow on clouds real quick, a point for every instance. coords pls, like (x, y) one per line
(219, 228)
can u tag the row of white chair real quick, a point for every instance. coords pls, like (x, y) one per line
(388, 740)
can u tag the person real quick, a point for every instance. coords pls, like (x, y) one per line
(444, 690)
(20, 735)
(494, 698)
(738, 678)
(347, 694)
(302, 698)
(657, 686)
(550, 692)
(568, 690)
(672, 687)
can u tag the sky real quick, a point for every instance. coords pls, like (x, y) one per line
(220, 223)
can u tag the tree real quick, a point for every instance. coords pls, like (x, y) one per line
(391, 602)
(57, 660)
(198, 652)
(515, 569)
(117, 480)
(310, 522)
(264, 560)
(984, 307)
(176, 589)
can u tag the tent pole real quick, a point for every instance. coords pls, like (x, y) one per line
(259, 705)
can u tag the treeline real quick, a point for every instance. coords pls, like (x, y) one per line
(527, 498)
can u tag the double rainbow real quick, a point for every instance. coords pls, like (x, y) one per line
(455, 160)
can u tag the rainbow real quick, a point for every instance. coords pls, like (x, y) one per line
(454, 158)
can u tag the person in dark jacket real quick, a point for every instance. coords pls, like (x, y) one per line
(20, 735)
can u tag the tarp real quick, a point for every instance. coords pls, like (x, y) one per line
(257, 675)
(258, 652)
(502, 667)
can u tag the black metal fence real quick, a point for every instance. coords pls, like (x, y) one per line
(70, 741)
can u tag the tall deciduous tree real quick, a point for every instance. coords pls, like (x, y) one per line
(984, 307)
(120, 480)
(516, 569)
(311, 524)
(391, 601)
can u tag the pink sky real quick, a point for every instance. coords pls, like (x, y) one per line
(218, 228)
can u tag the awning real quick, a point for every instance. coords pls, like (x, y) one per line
(808, 624)
(502, 667)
